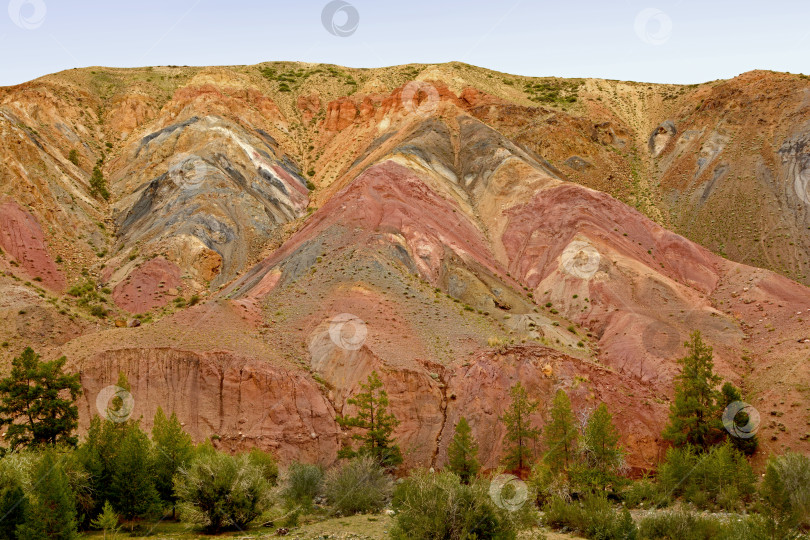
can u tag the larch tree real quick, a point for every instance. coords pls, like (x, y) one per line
(694, 416)
(462, 454)
(560, 435)
(520, 433)
(375, 422)
(602, 454)
(51, 508)
(173, 448)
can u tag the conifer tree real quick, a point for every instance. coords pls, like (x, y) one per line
(694, 416)
(601, 441)
(107, 521)
(101, 448)
(560, 435)
(173, 449)
(375, 421)
(119, 458)
(519, 431)
(748, 444)
(602, 455)
(462, 453)
(51, 510)
(132, 483)
(37, 402)
(98, 185)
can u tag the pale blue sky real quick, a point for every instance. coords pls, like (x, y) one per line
(682, 41)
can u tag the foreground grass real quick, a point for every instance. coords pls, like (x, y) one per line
(360, 527)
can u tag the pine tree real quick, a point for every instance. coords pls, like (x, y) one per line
(519, 431)
(601, 451)
(601, 441)
(730, 394)
(378, 425)
(694, 416)
(37, 402)
(107, 521)
(101, 448)
(462, 453)
(96, 454)
(132, 482)
(51, 511)
(173, 449)
(560, 435)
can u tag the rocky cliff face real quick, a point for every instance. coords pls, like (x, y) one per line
(274, 233)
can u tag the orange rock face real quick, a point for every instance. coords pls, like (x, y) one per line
(237, 401)
(23, 239)
(309, 106)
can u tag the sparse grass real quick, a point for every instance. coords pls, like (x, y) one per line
(554, 91)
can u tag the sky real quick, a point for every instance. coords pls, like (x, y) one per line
(682, 41)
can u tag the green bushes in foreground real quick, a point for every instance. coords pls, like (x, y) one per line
(218, 491)
(359, 486)
(440, 506)
(686, 525)
(593, 517)
(719, 478)
(304, 483)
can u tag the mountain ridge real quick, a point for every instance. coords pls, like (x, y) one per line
(475, 228)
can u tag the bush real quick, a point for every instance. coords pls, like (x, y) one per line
(785, 491)
(546, 485)
(266, 463)
(304, 483)
(13, 503)
(680, 525)
(644, 493)
(439, 506)
(721, 476)
(594, 517)
(219, 491)
(752, 527)
(359, 486)
(794, 470)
